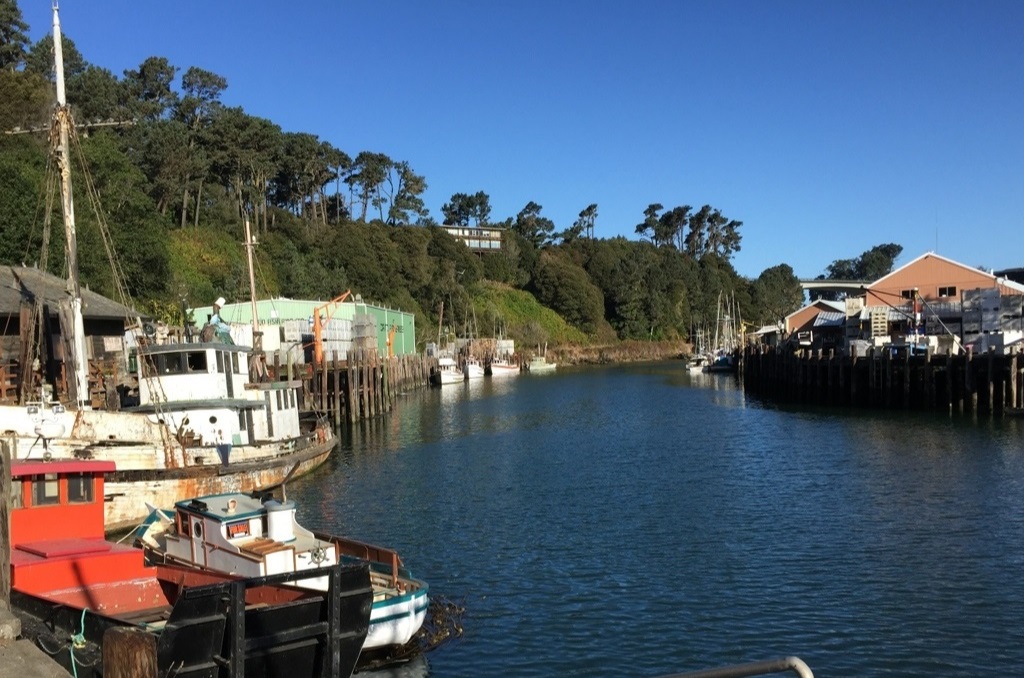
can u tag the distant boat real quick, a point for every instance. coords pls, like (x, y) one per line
(540, 365)
(446, 372)
(502, 366)
(472, 368)
(697, 363)
(70, 586)
(722, 363)
(248, 536)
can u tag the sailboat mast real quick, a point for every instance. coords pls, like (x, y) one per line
(63, 121)
(249, 245)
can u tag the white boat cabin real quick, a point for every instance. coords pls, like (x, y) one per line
(203, 391)
(242, 535)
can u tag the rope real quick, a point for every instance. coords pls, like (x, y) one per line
(77, 641)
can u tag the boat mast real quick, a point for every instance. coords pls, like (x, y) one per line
(249, 245)
(62, 117)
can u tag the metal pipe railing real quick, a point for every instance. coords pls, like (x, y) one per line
(794, 664)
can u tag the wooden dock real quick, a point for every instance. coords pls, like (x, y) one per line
(360, 385)
(987, 384)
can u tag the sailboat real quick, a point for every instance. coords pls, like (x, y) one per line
(207, 421)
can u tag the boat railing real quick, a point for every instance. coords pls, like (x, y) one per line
(760, 668)
(368, 552)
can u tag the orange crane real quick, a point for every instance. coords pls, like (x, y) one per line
(318, 330)
(391, 341)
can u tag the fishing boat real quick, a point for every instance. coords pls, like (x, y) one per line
(540, 365)
(697, 363)
(256, 536)
(70, 587)
(446, 372)
(471, 368)
(206, 418)
(502, 366)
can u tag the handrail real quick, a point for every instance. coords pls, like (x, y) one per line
(794, 664)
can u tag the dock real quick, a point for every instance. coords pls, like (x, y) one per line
(989, 384)
(359, 384)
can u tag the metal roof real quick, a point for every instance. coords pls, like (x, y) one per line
(22, 283)
(830, 319)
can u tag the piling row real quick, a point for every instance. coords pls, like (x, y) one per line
(358, 385)
(987, 384)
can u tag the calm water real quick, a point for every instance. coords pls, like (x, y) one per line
(636, 521)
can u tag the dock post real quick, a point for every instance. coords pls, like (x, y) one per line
(353, 404)
(5, 525)
(970, 393)
(336, 375)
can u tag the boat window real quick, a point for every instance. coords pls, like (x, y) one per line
(238, 529)
(280, 404)
(220, 362)
(241, 420)
(16, 500)
(80, 488)
(197, 361)
(171, 363)
(197, 529)
(45, 490)
(238, 364)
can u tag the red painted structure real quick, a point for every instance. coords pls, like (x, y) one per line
(57, 541)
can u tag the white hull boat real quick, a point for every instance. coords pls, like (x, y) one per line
(447, 372)
(200, 422)
(247, 536)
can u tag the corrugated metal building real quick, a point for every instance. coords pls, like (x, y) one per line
(346, 325)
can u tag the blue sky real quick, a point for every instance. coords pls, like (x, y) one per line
(826, 127)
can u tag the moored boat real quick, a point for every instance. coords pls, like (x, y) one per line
(252, 536)
(540, 365)
(71, 587)
(472, 368)
(205, 419)
(446, 372)
(502, 366)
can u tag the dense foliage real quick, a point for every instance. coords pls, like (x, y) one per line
(176, 174)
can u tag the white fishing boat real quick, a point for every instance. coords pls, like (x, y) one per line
(206, 420)
(697, 363)
(249, 536)
(540, 365)
(472, 368)
(447, 372)
(503, 366)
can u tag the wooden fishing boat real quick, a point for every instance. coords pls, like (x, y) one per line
(70, 587)
(206, 419)
(252, 536)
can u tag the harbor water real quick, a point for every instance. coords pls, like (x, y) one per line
(637, 520)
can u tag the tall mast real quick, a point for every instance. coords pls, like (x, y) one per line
(249, 245)
(63, 121)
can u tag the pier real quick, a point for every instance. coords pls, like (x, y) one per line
(360, 385)
(986, 384)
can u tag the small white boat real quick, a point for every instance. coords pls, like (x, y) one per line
(502, 366)
(245, 536)
(472, 368)
(539, 365)
(447, 372)
(697, 363)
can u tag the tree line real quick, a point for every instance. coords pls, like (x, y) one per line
(176, 172)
